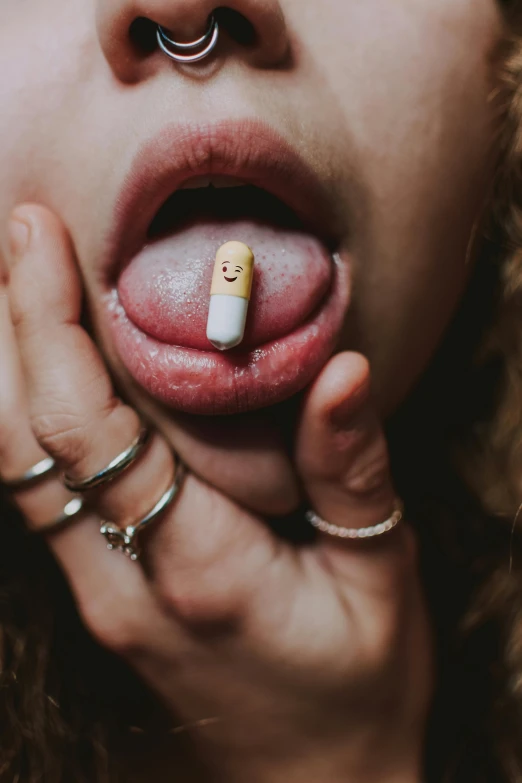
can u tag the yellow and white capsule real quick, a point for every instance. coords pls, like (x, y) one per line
(230, 295)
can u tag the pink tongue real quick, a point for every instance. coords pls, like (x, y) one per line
(165, 290)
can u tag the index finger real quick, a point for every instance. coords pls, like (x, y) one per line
(56, 352)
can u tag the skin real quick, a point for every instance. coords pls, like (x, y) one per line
(389, 103)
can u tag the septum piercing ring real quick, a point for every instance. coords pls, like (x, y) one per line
(193, 51)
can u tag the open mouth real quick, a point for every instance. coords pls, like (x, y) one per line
(165, 289)
(221, 198)
(159, 304)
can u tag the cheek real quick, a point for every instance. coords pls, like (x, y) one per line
(42, 72)
(420, 144)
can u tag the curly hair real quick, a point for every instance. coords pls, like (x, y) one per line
(465, 423)
(67, 707)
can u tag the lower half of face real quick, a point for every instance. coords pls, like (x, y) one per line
(355, 173)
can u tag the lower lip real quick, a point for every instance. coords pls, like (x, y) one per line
(210, 383)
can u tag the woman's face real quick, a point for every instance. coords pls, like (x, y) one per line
(371, 120)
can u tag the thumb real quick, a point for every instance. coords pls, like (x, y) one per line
(342, 454)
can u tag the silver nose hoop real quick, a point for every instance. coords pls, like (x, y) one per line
(193, 51)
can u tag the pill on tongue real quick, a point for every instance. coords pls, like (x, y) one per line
(230, 295)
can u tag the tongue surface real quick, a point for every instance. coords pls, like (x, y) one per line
(165, 290)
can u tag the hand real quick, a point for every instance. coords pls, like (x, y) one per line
(316, 661)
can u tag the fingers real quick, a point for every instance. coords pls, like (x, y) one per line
(205, 550)
(341, 449)
(112, 594)
(60, 362)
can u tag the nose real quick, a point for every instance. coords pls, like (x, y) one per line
(258, 26)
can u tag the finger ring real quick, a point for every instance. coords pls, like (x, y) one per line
(124, 539)
(35, 474)
(354, 532)
(73, 508)
(114, 469)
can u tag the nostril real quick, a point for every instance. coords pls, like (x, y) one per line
(237, 26)
(142, 34)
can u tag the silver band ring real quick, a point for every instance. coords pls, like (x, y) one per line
(114, 469)
(193, 51)
(353, 532)
(73, 508)
(124, 539)
(36, 473)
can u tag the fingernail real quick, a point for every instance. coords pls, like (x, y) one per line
(19, 237)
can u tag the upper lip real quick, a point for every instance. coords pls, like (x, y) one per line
(247, 150)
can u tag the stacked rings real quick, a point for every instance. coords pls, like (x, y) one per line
(123, 539)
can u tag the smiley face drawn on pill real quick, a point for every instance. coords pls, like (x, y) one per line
(227, 270)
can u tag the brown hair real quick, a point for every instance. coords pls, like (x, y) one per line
(465, 419)
(66, 705)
